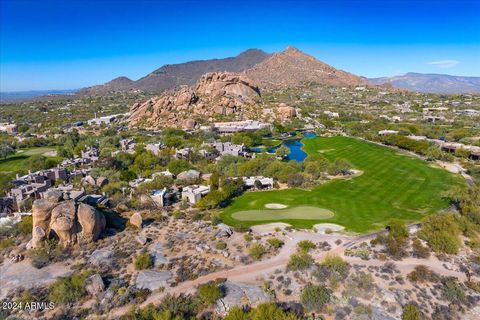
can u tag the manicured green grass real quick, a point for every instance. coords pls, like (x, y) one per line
(393, 185)
(16, 162)
(300, 212)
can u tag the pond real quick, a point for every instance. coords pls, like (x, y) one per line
(295, 147)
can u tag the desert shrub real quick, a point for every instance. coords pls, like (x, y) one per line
(441, 232)
(170, 308)
(143, 261)
(336, 265)
(419, 250)
(6, 243)
(26, 225)
(70, 289)
(270, 311)
(315, 297)
(306, 245)
(474, 285)
(221, 245)
(300, 261)
(361, 282)
(411, 312)
(333, 269)
(256, 251)
(422, 274)
(248, 237)
(236, 313)
(275, 243)
(209, 293)
(452, 291)
(49, 251)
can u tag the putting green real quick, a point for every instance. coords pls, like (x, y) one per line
(301, 212)
(393, 186)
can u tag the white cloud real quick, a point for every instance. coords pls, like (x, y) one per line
(444, 63)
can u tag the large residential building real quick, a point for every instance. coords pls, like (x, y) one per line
(263, 182)
(9, 128)
(239, 126)
(228, 148)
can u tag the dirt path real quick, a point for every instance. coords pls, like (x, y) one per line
(254, 272)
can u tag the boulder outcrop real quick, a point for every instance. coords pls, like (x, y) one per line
(216, 94)
(71, 222)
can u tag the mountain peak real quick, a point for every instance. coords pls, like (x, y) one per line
(294, 68)
(291, 49)
(252, 52)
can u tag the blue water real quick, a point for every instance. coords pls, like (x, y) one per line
(295, 147)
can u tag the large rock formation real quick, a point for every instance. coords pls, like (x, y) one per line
(215, 94)
(71, 222)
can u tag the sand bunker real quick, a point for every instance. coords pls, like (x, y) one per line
(275, 206)
(324, 228)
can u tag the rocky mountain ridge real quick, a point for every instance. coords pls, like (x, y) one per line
(172, 76)
(431, 83)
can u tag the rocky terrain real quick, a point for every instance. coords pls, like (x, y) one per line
(173, 76)
(215, 94)
(293, 68)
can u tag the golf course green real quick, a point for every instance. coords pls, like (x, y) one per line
(393, 185)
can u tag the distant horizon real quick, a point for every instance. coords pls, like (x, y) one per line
(57, 45)
(135, 79)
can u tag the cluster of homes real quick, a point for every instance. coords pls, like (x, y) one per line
(87, 157)
(474, 151)
(211, 151)
(35, 185)
(193, 193)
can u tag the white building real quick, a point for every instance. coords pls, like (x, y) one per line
(194, 193)
(386, 132)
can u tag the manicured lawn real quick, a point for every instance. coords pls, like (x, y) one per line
(393, 185)
(16, 162)
(301, 212)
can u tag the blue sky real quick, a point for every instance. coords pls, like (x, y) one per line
(71, 44)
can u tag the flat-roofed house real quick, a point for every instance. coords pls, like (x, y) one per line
(194, 193)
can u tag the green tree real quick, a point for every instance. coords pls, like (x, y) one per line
(178, 165)
(5, 151)
(213, 199)
(282, 152)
